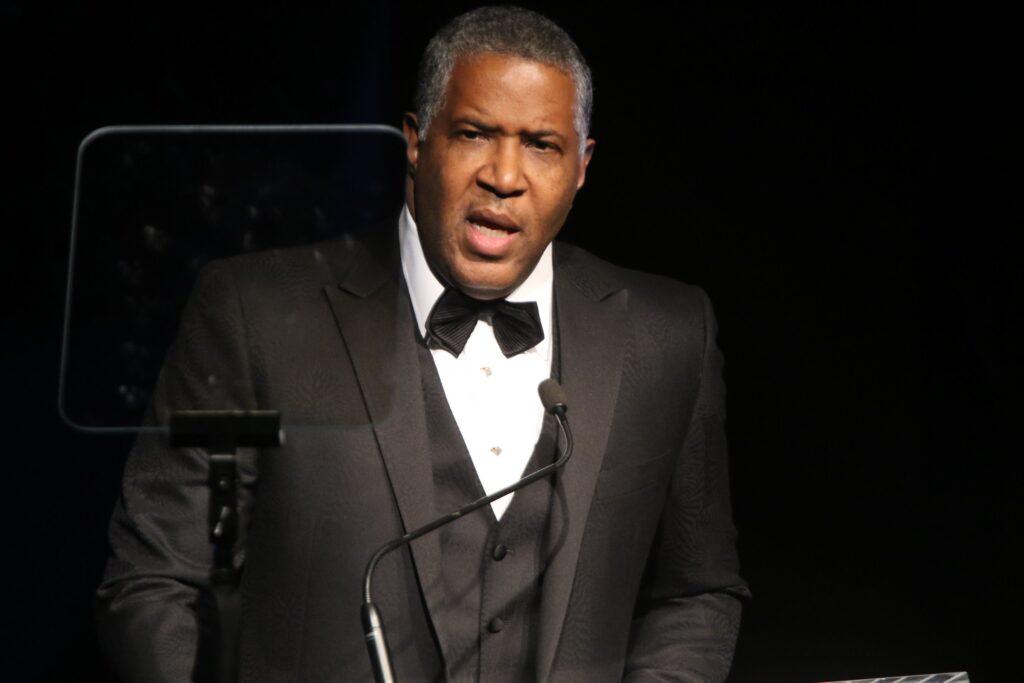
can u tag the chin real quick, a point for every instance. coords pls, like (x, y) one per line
(486, 285)
(486, 289)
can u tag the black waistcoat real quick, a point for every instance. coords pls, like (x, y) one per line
(492, 570)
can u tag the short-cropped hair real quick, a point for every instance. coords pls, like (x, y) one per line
(512, 31)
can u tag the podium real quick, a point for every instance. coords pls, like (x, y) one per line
(954, 677)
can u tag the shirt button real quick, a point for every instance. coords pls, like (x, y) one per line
(496, 625)
(496, 450)
(499, 552)
(486, 371)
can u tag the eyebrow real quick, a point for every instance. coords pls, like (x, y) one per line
(538, 134)
(466, 120)
(531, 134)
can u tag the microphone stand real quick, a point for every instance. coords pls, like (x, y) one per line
(373, 627)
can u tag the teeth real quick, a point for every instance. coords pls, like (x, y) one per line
(489, 232)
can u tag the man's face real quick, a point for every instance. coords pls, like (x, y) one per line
(495, 178)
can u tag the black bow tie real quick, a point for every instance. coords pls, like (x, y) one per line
(516, 325)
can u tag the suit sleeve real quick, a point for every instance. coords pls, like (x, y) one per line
(160, 557)
(688, 610)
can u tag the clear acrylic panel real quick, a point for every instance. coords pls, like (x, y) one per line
(155, 205)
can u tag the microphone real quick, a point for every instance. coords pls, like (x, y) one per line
(553, 398)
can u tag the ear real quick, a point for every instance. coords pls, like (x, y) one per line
(588, 152)
(411, 129)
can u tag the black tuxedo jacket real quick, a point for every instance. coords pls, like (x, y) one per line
(642, 579)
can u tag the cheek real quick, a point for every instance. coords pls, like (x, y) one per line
(559, 181)
(449, 194)
(558, 204)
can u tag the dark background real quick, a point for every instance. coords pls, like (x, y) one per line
(787, 159)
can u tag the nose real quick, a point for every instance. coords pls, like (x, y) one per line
(502, 173)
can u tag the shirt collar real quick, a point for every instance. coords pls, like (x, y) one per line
(425, 289)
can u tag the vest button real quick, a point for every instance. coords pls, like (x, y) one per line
(496, 625)
(499, 552)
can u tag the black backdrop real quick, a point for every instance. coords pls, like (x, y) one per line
(792, 149)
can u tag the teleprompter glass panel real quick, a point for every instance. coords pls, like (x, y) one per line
(237, 242)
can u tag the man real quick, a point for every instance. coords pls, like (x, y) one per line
(621, 567)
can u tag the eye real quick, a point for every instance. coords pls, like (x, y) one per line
(542, 145)
(470, 134)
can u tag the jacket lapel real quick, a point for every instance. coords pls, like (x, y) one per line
(592, 326)
(371, 308)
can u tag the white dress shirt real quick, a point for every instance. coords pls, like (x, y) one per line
(493, 398)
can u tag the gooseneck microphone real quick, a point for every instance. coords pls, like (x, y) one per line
(553, 398)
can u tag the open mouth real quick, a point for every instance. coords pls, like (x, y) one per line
(491, 223)
(491, 234)
(488, 231)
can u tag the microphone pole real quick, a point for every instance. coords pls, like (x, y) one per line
(553, 398)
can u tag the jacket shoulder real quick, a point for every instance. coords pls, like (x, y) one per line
(648, 293)
(363, 261)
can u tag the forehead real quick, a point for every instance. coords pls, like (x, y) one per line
(495, 85)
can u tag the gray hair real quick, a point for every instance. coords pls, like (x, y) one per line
(510, 31)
